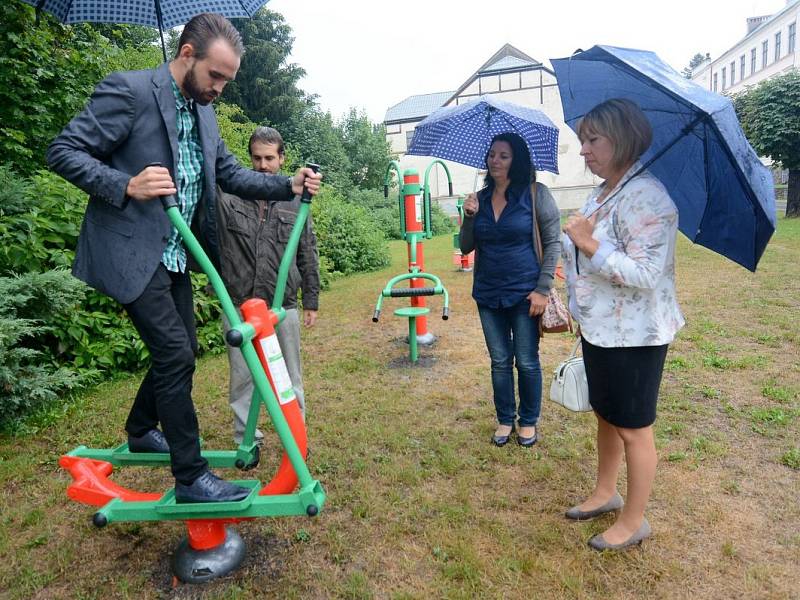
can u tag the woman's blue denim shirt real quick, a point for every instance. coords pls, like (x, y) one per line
(507, 269)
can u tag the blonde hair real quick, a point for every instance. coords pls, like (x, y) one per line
(622, 122)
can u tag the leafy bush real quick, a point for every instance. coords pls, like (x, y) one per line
(48, 71)
(39, 229)
(386, 212)
(29, 377)
(347, 237)
(41, 219)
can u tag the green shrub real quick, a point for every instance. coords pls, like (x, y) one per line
(385, 212)
(346, 236)
(41, 219)
(48, 71)
(29, 375)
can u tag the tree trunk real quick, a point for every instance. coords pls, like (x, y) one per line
(793, 194)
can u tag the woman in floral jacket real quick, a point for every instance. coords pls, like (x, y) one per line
(619, 259)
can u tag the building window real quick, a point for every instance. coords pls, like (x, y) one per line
(752, 61)
(792, 36)
(723, 78)
(741, 67)
(715, 82)
(409, 137)
(764, 53)
(777, 46)
(733, 72)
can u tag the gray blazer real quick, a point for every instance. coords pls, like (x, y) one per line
(130, 122)
(549, 221)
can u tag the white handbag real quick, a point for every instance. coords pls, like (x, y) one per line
(569, 387)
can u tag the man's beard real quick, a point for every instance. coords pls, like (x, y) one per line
(195, 93)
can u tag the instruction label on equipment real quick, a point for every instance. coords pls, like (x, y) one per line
(420, 205)
(277, 369)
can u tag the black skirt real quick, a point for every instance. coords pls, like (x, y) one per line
(624, 382)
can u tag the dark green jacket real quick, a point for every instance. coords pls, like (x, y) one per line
(252, 239)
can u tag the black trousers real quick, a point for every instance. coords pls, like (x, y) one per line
(164, 317)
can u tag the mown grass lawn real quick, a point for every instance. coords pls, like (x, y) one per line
(420, 505)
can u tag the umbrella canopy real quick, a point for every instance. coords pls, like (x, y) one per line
(161, 14)
(463, 133)
(725, 196)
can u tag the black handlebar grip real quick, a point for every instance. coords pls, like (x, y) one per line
(166, 201)
(445, 313)
(449, 188)
(306, 197)
(234, 338)
(376, 315)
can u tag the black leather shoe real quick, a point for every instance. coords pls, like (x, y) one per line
(527, 442)
(152, 441)
(209, 488)
(502, 440)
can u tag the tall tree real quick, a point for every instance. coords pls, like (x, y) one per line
(770, 117)
(314, 136)
(266, 85)
(697, 60)
(367, 149)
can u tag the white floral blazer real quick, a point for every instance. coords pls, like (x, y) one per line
(625, 294)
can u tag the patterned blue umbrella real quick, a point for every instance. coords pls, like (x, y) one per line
(725, 196)
(162, 14)
(463, 133)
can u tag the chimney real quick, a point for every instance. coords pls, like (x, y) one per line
(754, 23)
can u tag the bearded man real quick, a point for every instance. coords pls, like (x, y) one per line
(128, 248)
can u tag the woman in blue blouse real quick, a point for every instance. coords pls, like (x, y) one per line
(511, 284)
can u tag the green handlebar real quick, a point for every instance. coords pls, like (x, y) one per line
(438, 289)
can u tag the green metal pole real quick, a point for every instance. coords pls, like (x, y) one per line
(412, 338)
(395, 166)
(248, 352)
(289, 257)
(426, 194)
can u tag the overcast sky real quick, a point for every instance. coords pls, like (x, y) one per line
(372, 54)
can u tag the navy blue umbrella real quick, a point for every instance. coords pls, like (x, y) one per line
(463, 133)
(725, 196)
(161, 14)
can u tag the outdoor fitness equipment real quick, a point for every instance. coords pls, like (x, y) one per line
(213, 548)
(464, 262)
(415, 226)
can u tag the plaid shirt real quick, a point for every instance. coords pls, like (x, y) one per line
(189, 177)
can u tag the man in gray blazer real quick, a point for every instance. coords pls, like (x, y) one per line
(128, 248)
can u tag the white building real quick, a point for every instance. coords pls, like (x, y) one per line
(768, 48)
(513, 76)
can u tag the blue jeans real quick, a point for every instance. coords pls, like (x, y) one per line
(512, 337)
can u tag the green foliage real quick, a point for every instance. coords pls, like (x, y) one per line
(235, 129)
(40, 221)
(266, 85)
(697, 60)
(313, 136)
(791, 458)
(29, 377)
(366, 146)
(39, 228)
(346, 235)
(138, 37)
(770, 117)
(385, 212)
(48, 72)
